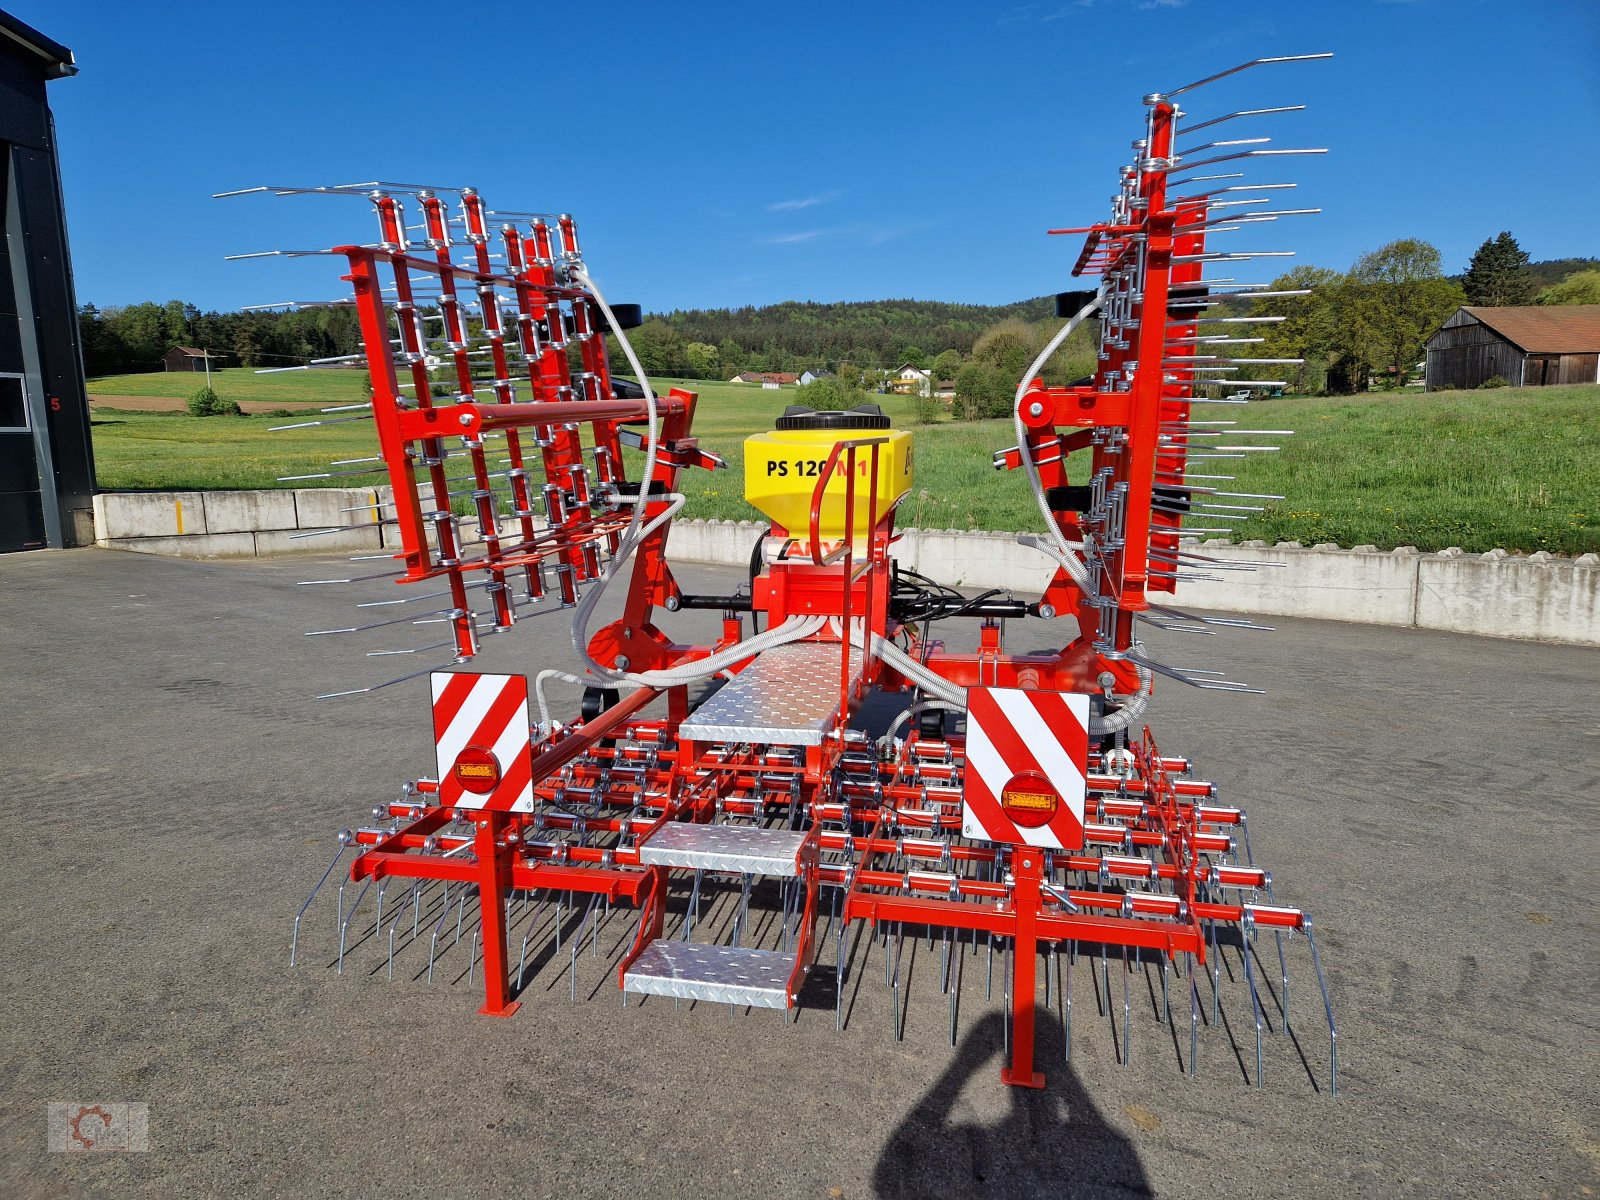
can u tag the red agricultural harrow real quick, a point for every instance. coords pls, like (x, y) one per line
(727, 802)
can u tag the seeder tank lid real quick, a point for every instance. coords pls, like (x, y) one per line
(862, 416)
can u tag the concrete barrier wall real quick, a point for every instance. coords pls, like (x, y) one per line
(1539, 596)
(240, 524)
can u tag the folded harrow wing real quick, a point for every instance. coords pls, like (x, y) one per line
(726, 801)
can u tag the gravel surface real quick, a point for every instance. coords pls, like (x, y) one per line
(1430, 798)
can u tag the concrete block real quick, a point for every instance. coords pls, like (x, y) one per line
(202, 545)
(1548, 601)
(721, 542)
(963, 558)
(283, 541)
(246, 512)
(122, 515)
(325, 508)
(1333, 585)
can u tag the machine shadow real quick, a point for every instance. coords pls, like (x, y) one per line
(1052, 1142)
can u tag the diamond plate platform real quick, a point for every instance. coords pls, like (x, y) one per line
(725, 974)
(741, 848)
(787, 697)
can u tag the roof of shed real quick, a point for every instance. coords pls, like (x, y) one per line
(1545, 329)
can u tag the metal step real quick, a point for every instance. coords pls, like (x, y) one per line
(743, 848)
(725, 974)
(787, 697)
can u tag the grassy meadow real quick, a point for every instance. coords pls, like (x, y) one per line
(1508, 468)
(289, 389)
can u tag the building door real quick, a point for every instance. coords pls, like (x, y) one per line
(21, 506)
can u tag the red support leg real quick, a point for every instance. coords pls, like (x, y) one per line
(1028, 869)
(494, 885)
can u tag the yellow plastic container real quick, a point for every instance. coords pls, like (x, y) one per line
(782, 468)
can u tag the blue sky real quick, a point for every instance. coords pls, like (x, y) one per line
(745, 153)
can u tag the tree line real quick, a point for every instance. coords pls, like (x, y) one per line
(1368, 322)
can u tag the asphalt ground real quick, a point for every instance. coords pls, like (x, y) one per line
(1430, 798)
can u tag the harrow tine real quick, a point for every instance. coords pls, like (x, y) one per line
(1064, 1003)
(1283, 968)
(1255, 998)
(955, 997)
(533, 919)
(294, 940)
(433, 942)
(344, 925)
(1194, 1016)
(838, 977)
(1127, 1010)
(899, 942)
(1333, 1033)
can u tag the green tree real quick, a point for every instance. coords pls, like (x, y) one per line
(1007, 349)
(1581, 287)
(1391, 301)
(946, 365)
(703, 360)
(830, 393)
(731, 355)
(1497, 275)
(914, 356)
(1310, 328)
(659, 348)
(975, 389)
(176, 317)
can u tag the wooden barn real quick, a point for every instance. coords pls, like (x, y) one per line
(1527, 347)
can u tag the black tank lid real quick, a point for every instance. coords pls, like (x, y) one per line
(862, 416)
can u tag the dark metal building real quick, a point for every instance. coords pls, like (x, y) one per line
(46, 461)
(1527, 347)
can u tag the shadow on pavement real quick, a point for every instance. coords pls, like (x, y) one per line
(1050, 1143)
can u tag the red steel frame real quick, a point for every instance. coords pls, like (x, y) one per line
(1138, 390)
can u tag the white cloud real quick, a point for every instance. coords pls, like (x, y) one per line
(803, 202)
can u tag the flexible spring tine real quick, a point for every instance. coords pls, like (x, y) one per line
(838, 978)
(472, 957)
(345, 924)
(433, 942)
(1064, 991)
(377, 921)
(1283, 969)
(955, 997)
(533, 920)
(899, 942)
(1194, 1016)
(294, 940)
(1255, 998)
(1327, 1005)
(416, 892)
(1166, 1007)
(577, 947)
(1127, 1009)
(1005, 996)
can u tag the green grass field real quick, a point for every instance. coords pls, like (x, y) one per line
(242, 384)
(1472, 469)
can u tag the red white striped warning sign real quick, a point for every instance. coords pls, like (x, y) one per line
(1027, 755)
(481, 739)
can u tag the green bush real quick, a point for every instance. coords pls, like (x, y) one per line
(206, 403)
(1494, 381)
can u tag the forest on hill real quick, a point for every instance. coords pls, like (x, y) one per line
(1368, 320)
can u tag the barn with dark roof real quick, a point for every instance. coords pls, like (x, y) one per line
(1532, 346)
